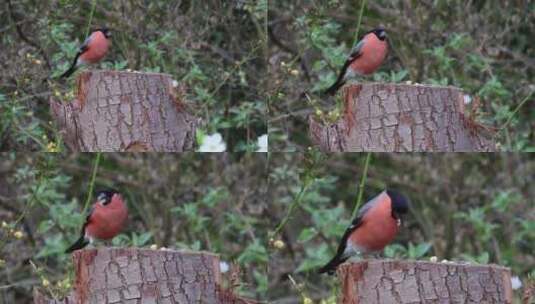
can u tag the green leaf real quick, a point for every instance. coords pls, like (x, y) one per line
(255, 252)
(307, 234)
(315, 258)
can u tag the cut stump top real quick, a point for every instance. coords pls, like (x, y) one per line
(125, 111)
(404, 281)
(389, 117)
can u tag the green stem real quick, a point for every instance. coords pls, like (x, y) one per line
(294, 204)
(515, 111)
(90, 18)
(92, 183)
(361, 185)
(358, 22)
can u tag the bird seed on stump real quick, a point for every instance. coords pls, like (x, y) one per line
(134, 275)
(403, 282)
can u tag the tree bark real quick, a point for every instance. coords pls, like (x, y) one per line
(401, 118)
(125, 111)
(403, 282)
(133, 275)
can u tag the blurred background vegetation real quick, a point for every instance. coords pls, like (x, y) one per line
(215, 49)
(212, 202)
(274, 216)
(483, 47)
(477, 208)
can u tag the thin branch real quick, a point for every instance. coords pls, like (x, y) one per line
(358, 23)
(515, 111)
(92, 183)
(361, 185)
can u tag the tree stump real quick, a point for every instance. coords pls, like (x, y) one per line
(400, 282)
(401, 118)
(133, 275)
(125, 111)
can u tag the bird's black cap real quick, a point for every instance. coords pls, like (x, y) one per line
(106, 31)
(379, 32)
(105, 195)
(400, 204)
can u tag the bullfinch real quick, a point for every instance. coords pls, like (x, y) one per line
(104, 221)
(364, 59)
(92, 50)
(375, 226)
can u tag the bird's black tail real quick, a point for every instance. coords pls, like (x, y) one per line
(69, 72)
(80, 243)
(332, 89)
(330, 268)
(72, 68)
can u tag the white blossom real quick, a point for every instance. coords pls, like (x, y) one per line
(467, 99)
(213, 143)
(223, 266)
(515, 282)
(262, 143)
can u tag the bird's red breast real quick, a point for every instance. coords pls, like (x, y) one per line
(378, 227)
(107, 221)
(373, 54)
(97, 48)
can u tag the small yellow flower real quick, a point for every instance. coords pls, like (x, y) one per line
(52, 147)
(4, 224)
(153, 246)
(294, 72)
(18, 234)
(334, 115)
(279, 244)
(307, 300)
(57, 93)
(45, 283)
(319, 112)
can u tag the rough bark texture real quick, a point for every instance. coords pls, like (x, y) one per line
(125, 111)
(398, 117)
(403, 282)
(132, 275)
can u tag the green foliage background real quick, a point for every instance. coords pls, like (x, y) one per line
(476, 208)
(215, 49)
(275, 215)
(188, 201)
(483, 47)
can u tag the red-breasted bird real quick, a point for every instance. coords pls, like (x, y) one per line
(104, 221)
(375, 226)
(94, 48)
(364, 59)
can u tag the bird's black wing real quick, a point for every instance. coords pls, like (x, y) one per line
(83, 48)
(89, 213)
(340, 256)
(82, 241)
(85, 45)
(354, 54)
